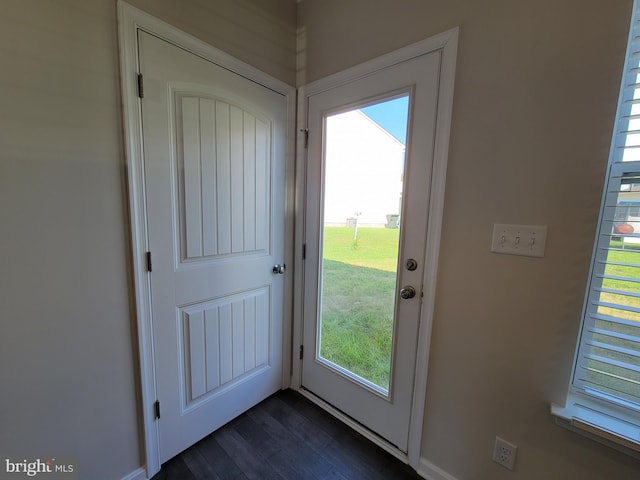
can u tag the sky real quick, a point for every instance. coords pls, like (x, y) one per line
(391, 115)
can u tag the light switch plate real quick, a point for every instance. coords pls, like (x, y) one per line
(527, 240)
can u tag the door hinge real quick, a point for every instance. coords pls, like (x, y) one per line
(306, 136)
(140, 86)
(304, 251)
(149, 266)
(156, 409)
(301, 352)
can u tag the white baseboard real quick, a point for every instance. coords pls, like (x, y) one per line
(139, 474)
(432, 472)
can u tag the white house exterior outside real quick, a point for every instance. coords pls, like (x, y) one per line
(364, 171)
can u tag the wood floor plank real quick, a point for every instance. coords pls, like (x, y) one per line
(272, 451)
(340, 445)
(174, 469)
(315, 432)
(285, 437)
(300, 457)
(249, 460)
(198, 466)
(220, 462)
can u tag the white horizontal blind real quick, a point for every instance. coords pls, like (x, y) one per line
(608, 362)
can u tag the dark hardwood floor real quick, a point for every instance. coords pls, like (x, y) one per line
(285, 437)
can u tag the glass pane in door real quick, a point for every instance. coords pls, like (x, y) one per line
(364, 162)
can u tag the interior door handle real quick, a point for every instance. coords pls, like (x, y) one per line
(280, 269)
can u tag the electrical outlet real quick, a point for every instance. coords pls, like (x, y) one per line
(504, 453)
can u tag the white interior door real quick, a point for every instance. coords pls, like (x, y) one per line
(214, 148)
(366, 227)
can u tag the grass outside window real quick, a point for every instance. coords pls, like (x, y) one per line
(358, 300)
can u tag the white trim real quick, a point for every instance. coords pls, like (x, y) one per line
(434, 230)
(299, 235)
(138, 474)
(431, 44)
(289, 225)
(130, 20)
(432, 472)
(600, 420)
(447, 43)
(289, 236)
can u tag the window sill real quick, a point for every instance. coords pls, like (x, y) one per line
(600, 422)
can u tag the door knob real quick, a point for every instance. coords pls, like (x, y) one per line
(408, 292)
(280, 269)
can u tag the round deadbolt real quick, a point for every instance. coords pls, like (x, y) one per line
(411, 264)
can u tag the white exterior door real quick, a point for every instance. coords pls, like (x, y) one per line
(351, 173)
(214, 149)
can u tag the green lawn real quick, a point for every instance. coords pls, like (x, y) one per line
(629, 255)
(358, 298)
(604, 374)
(375, 247)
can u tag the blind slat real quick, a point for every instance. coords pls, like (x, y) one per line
(617, 306)
(610, 375)
(609, 333)
(614, 320)
(609, 388)
(614, 363)
(621, 264)
(618, 292)
(614, 277)
(613, 348)
(620, 249)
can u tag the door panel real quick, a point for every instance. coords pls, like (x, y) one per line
(229, 147)
(214, 146)
(222, 342)
(386, 411)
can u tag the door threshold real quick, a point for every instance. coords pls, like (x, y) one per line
(357, 426)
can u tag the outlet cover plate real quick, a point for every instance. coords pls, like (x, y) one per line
(526, 240)
(504, 453)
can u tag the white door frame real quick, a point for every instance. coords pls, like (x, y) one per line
(130, 20)
(447, 44)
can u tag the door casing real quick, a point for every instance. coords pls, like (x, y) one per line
(130, 21)
(446, 43)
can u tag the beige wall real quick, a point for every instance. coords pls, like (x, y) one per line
(535, 95)
(259, 32)
(534, 101)
(66, 353)
(67, 362)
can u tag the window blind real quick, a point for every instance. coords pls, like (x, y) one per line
(608, 361)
